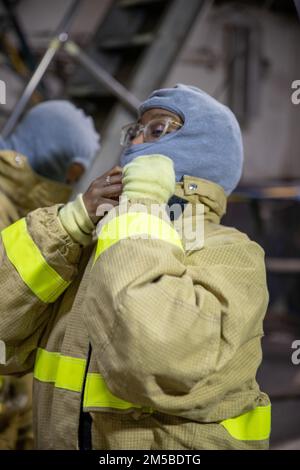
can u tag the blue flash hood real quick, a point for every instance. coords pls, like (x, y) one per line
(208, 145)
(53, 135)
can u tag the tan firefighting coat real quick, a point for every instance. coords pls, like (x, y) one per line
(156, 339)
(21, 191)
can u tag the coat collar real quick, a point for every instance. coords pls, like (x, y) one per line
(210, 194)
(25, 188)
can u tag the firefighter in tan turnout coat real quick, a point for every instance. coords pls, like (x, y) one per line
(22, 190)
(141, 335)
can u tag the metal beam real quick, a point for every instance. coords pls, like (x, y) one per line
(151, 72)
(297, 5)
(60, 37)
(103, 77)
(170, 38)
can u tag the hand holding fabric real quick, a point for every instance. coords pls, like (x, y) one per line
(149, 176)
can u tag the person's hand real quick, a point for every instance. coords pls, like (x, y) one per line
(149, 176)
(105, 189)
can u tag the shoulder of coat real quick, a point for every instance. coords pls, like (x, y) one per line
(13, 159)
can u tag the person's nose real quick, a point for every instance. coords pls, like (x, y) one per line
(139, 139)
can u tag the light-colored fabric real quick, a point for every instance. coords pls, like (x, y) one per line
(62, 254)
(208, 144)
(76, 221)
(135, 224)
(53, 135)
(171, 330)
(33, 269)
(68, 373)
(144, 296)
(64, 371)
(253, 425)
(21, 190)
(9, 212)
(150, 176)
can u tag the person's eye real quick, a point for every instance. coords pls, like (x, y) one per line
(131, 133)
(156, 130)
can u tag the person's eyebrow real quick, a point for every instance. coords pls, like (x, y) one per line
(160, 114)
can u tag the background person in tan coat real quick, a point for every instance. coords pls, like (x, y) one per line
(35, 165)
(151, 339)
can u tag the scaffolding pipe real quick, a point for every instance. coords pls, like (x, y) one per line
(54, 46)
(104, 78)
(297, 5)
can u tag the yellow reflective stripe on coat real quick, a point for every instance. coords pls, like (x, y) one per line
(255, 425)
(32, 267)
(97, 394)
(64, 371)
(68, 373)
(135, 224)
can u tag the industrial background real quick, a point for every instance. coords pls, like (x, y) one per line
(107, 55)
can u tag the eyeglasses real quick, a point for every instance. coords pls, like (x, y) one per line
(152, 131)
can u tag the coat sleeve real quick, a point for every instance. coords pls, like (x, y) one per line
(162, 321)
(8, 213)
(38, 261)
